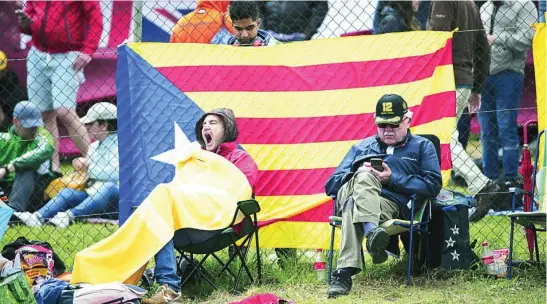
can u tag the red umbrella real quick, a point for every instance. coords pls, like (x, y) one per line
(526, 170)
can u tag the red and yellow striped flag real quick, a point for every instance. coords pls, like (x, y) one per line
(300, 108)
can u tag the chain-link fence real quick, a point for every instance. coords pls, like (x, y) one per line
(62, 58)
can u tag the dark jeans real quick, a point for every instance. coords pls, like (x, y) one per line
(26, 191)
(498, 118)
(464, 128)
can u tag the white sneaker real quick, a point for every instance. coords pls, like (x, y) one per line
(61, 220)
(29, 219)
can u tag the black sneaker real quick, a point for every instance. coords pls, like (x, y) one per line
(340, 285)
(485, 199)
(377, 241)
(458, 180)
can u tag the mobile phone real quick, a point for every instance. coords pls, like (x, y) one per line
(377, 164)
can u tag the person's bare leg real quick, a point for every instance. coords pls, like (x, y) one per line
(75, 128)
(50, 123)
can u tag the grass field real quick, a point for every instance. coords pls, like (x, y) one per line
(379, 284)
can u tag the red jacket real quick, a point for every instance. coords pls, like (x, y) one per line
(241, 159)
(61, 25)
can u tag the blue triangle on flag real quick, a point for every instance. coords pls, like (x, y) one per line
(148, 105)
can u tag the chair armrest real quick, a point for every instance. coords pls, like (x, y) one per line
(518, 191)
(333, 218)
(335, 221)
(249, 207)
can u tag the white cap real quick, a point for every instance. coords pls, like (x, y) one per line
(101, 111)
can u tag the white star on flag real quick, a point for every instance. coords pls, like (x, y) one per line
(455, 255)
(181, 150)
(455, 230)
(450, 242)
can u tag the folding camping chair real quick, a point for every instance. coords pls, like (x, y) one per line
(530, 219)
(398, 226)
(220, 240)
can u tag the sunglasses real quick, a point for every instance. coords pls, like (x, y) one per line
(384, 125)
(393, 126)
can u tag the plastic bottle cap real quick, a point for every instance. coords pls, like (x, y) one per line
(484, 243)
(319, 250)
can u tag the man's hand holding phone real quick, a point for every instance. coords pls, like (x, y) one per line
(380, 169)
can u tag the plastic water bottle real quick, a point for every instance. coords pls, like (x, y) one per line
(320, 265)
(487, 259)
(485, 250)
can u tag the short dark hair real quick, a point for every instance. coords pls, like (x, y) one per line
(243, 9)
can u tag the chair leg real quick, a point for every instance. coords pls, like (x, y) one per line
(331, 253)
(427, 253)
(258, 259)
(536, 245)
(409, 268)
(244, 265)
(199, 269)
(509, 271)
(225, 266)
(363, 258)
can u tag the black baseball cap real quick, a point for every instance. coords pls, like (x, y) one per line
(390, 109)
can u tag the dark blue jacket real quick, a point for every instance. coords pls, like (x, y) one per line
(414, 165)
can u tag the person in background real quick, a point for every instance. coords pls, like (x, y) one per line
(395, 16)
(10, 93)
(471, 57)
(508, 25)
(102, 167)
(289, 21)
(246, 22)
(208, 23)
(65, 34)
(26, 152)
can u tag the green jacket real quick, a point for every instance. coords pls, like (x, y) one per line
(23, 154)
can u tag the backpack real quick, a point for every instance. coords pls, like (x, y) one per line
(449, 240)
(37, 264)
(9, 253)
(14, 287)
(457, 252)
(108, 293)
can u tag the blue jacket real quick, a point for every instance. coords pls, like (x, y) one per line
(414, 165)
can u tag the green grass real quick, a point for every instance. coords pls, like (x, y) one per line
(378, 284)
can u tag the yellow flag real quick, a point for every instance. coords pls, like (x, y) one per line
(540, 66)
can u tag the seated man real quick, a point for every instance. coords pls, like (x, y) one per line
(25, 154)
(102, 166)
(216, 131)
(367, 197)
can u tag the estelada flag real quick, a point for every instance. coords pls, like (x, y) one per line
(299, 107)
